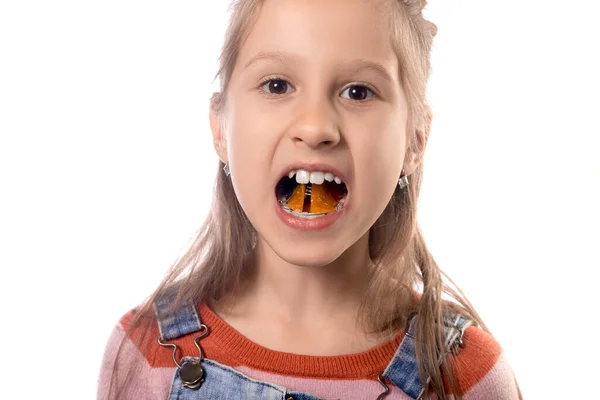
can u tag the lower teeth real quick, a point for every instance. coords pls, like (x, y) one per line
(307, 214)
(301, 214)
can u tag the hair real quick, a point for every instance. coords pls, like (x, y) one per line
(214, 263)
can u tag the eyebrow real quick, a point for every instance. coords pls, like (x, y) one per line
(353, 66)
(277, 56)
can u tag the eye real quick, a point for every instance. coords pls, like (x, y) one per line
(358, 92)
(276, 86)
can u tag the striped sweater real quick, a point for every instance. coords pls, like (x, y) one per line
(481, 367)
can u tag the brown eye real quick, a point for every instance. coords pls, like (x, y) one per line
(276, 86)
(358, 92)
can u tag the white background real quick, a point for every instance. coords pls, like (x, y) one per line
(106, 168)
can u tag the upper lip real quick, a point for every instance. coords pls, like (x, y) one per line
(311, 167)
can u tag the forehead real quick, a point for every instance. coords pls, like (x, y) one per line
(326, 31)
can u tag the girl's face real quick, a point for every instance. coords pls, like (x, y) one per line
(315, 82)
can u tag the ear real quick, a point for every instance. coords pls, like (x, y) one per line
(219, 138)
(416, 152)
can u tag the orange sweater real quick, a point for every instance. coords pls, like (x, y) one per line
(481, 368)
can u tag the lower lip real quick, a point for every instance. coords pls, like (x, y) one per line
(304, 224)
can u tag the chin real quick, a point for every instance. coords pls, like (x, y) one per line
(309, 254)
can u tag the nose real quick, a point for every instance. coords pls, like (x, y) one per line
(315, 124)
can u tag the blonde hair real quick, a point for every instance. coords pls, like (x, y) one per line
(214, 263)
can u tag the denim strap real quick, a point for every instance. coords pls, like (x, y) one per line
(403, 370)
(185, 320)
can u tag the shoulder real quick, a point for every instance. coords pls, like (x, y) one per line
(481, 368)
(134, 339)
(139, 329)
(131, 358)
(131, 337)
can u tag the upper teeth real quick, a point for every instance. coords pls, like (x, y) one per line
(315, 177)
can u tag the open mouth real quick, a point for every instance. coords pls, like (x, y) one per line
(311, 199)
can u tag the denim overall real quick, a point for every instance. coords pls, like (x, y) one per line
(222, 382)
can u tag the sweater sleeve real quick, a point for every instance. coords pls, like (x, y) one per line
(133, 376)
(498, 384)
(482, 368)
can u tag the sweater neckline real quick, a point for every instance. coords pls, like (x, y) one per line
(366, 364)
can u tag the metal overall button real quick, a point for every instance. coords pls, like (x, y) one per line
(191, 374)
(190, 371)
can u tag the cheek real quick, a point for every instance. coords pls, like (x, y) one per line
(379, 153)
(254, 132)
(246, 133)
(378, 161)
(250, 150)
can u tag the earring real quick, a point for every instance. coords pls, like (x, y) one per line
(403, 181)
(226, 169)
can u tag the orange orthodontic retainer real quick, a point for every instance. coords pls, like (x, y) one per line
(323, 198)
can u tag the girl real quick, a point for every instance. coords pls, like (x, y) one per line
(310, 278)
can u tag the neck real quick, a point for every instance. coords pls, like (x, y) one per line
(316, 300)
(310, 293)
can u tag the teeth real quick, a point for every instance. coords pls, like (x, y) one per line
(302, 214)
(302, 176)
(316, 177)
(338, 207)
